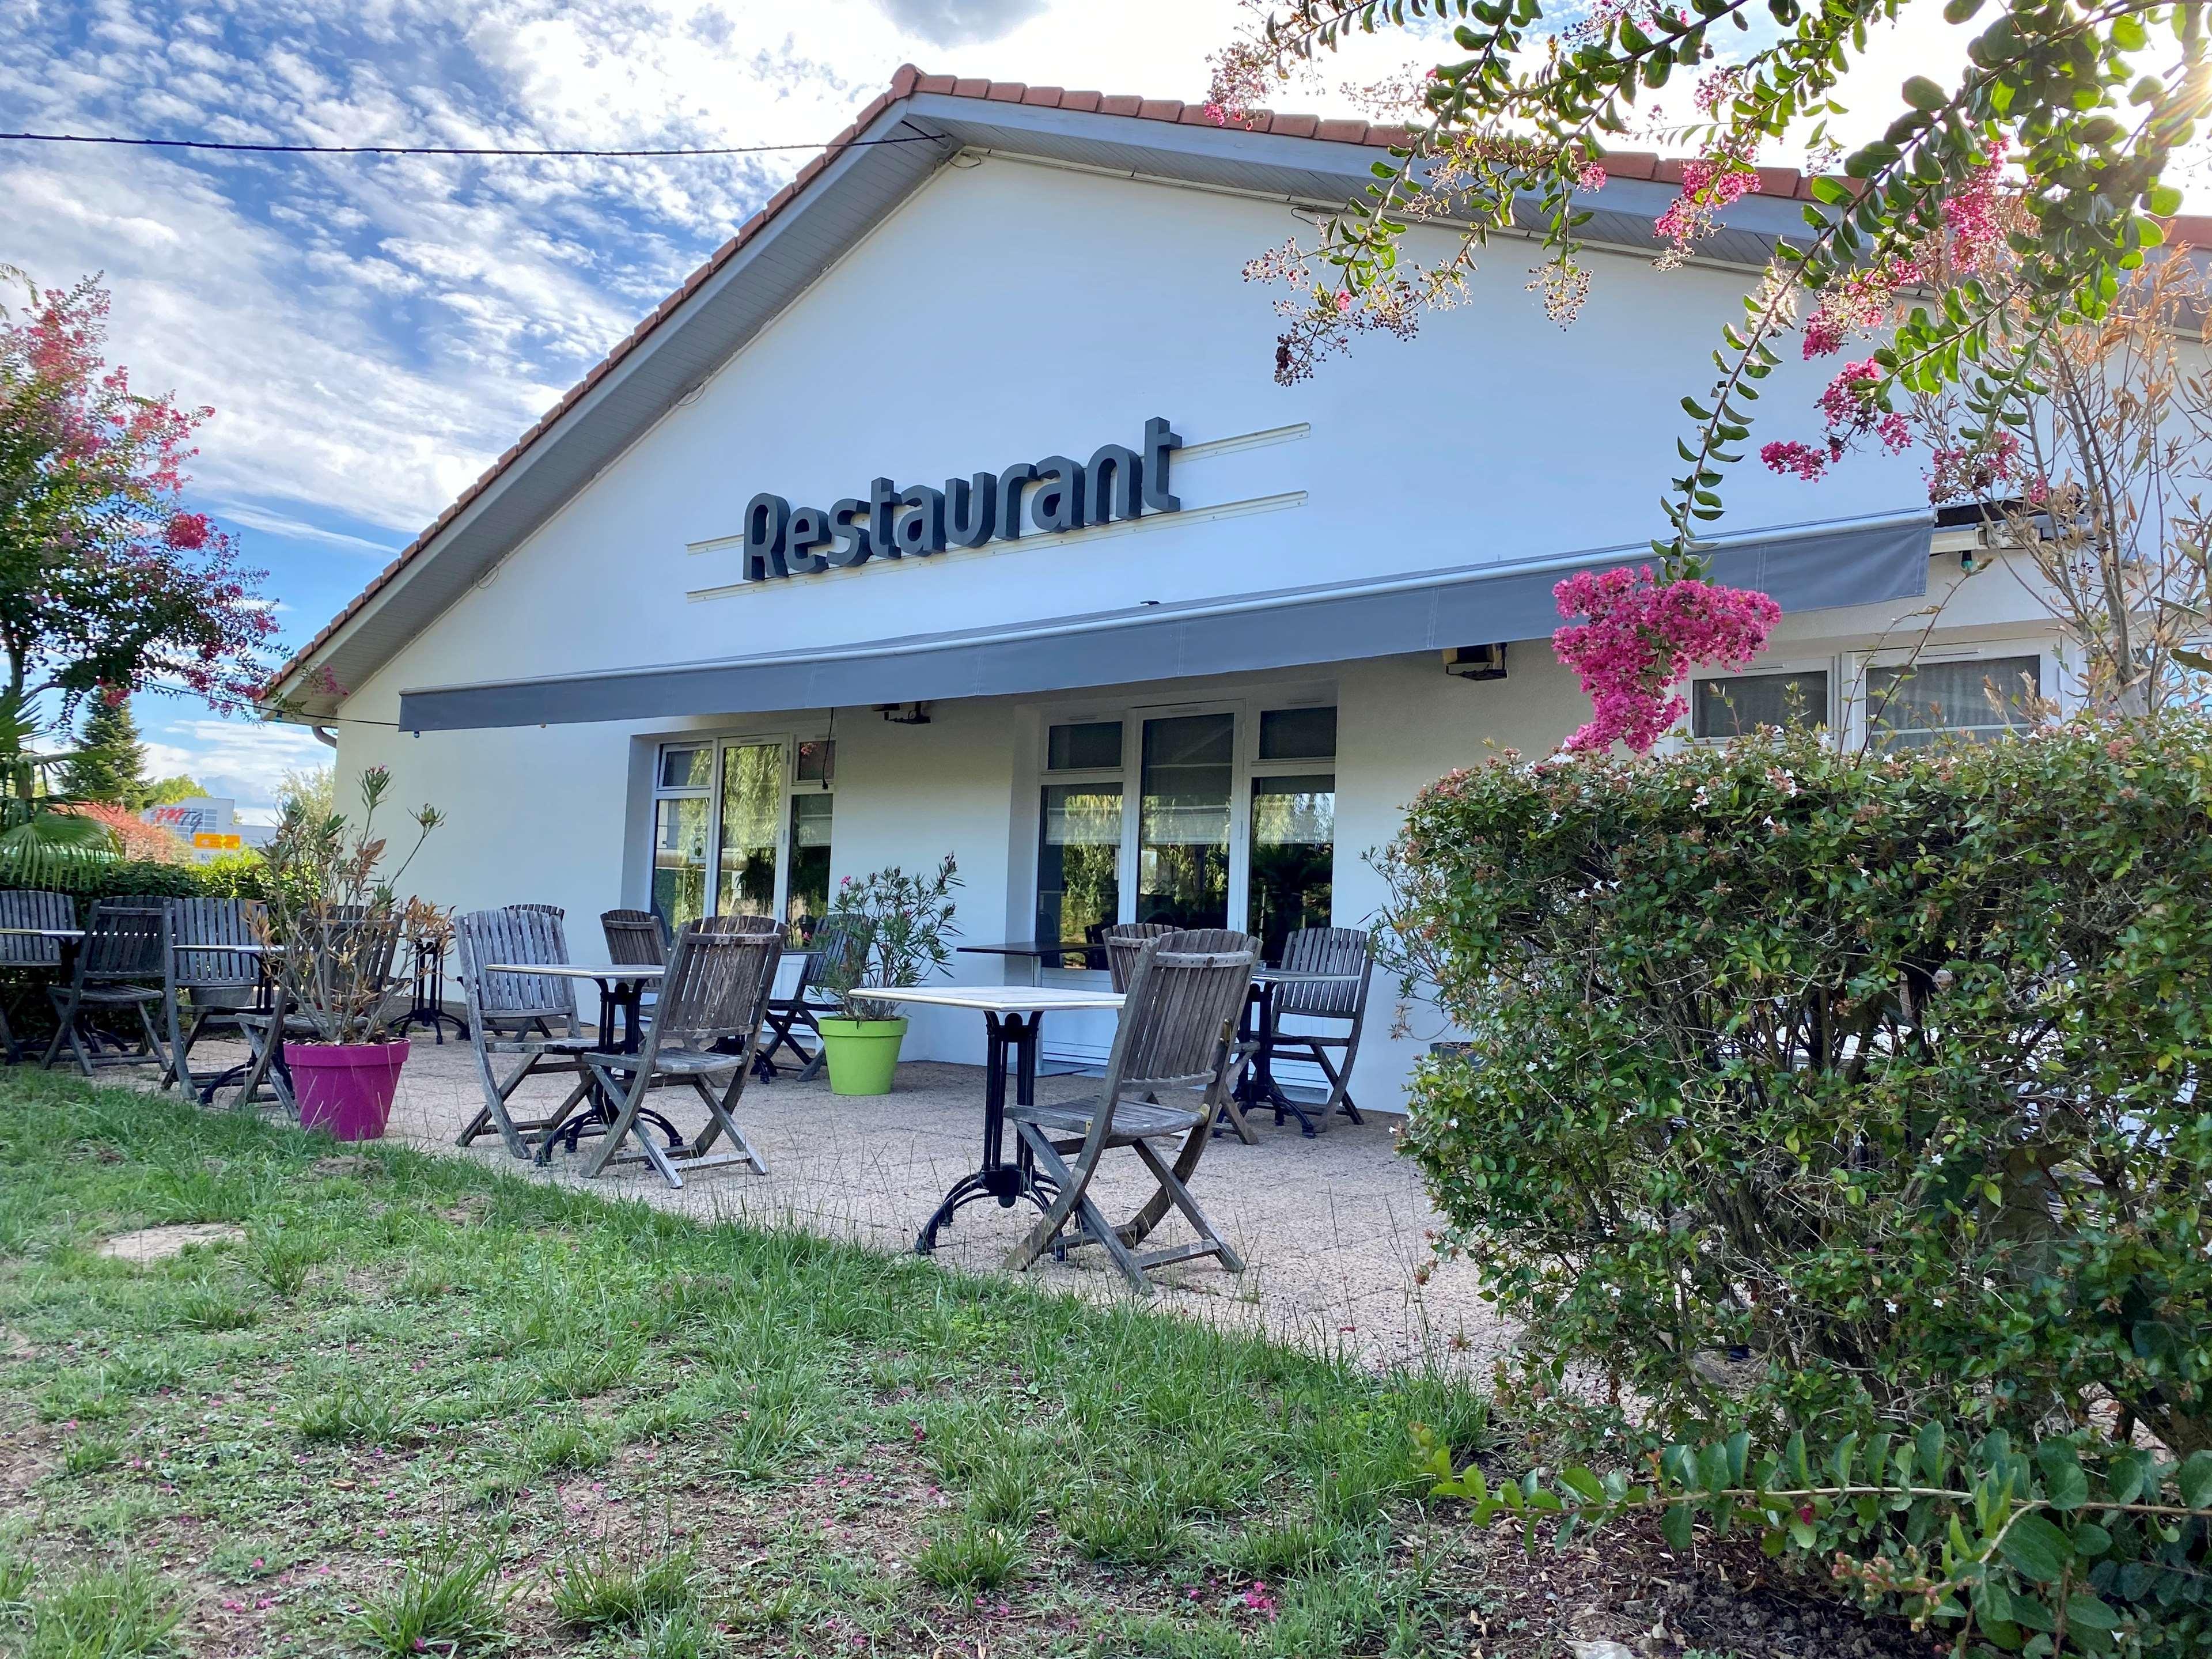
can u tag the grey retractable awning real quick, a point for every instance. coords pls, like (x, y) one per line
(1815, 567)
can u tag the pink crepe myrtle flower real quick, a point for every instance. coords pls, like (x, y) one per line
(1637, 637)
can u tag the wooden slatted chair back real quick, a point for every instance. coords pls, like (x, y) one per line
(1123, 940)
(125, 943)
(634, 937)
(742, 924)
(204, 927)
(1181, 1006)
(716, 987)
(1324, 951)
(526, 937)
(840, 949)
(28, 907)
(552, 910)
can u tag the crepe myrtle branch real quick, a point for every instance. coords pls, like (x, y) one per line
(2046, 78)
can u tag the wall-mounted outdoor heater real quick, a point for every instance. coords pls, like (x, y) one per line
(1476, 662)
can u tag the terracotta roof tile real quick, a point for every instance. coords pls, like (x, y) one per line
(2194, 231)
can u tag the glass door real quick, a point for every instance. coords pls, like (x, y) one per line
(1187, 778)
(750, 841)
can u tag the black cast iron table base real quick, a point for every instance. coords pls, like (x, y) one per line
(1009, 1183)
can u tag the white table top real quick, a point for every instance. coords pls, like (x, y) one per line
(43, 932)
(993, 999)
(580, 970)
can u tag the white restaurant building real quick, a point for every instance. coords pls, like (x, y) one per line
(1199, 687)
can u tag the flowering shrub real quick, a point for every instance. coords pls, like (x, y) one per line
(1640, 634)
(905, 923)
(1833, 1092)
(108, 582)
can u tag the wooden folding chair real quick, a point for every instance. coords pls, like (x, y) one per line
(122, 963)
(706, 1029)
(223, 982)
(23, 956)
(635, 939)
(829, 956)
(1326, 950)
(519, 1014)
(1123, 940)
(1177, 1039)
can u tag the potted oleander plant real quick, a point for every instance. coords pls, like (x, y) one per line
(334, 918)
(900, 924)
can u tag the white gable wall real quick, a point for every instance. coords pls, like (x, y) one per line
(1006, 313)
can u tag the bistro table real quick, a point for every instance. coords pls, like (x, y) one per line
(1042, 956)
(1257, 1090)
(68, 938)
(1011, 1017)
(622, 994)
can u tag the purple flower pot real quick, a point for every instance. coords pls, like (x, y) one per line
(345, 1087)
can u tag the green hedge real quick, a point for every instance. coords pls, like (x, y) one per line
(1831, 1091)
(229, 877)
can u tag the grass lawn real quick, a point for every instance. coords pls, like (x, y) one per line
(412, 1406)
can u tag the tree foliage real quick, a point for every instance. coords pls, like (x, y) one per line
(109, 765)
(109, 583)
(2089, 103)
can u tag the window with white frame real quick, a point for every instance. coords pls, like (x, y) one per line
(743, 825)
(1197, 818)
(1733, 705)
(1911, 705)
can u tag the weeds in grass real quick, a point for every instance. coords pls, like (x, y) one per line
(117, 1612)
(451, 1600)
(687, 1633)
(611, 1591)
(349, 1410)
(581, 1370)
(88, 1453)
(17, 1574)
(564, 1442)
(1120, 1526)
(205, 1307)
(1284, 1549)
(967, 1555)
(1010, 1488)
(85, 1399)
(284, 1258)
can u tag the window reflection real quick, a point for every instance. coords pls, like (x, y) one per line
(1182, 847)
(1293, 857)
(752, 791)
(1079, 862)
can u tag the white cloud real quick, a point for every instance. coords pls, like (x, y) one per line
(241, 759)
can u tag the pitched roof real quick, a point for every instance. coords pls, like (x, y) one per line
(909, 83)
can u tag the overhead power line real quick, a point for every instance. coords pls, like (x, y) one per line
(435, 150)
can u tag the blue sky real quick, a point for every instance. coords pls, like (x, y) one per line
(372, 332)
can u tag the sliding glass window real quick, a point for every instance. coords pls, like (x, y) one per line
(1182, 822)
(764, 806)
(1293, 833)
(1079, 835)
(813, 810)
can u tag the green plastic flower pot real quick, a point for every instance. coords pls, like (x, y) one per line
(863, 1053)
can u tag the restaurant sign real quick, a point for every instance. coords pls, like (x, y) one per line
(1052, 495)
